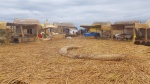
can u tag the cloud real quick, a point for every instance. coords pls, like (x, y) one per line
(76, 11)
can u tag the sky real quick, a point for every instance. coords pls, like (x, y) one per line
(79, 12)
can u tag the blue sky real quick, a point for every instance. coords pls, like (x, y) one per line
(75, 11)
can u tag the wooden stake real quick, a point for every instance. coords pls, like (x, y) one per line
(22, 32)
(146, 35)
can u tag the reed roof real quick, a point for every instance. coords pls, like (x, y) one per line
(101, 25)
(43, 26)
(126, 22)
(69, 25)
(141, 25)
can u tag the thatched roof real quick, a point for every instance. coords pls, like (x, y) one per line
(126, 23)
(101, 23)
(120, 25)
(106, 27)
(148, 23)
(3, 25)
(26, 21)
(129, 26)
(69, 25)
(43, 26)
(47, 25)
(140, 25)
(145, 25)
(90, 26)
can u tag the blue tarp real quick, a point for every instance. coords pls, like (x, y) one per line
(92, 34)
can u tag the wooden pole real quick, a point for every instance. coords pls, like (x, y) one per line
(45, 36)
(61, 29)
(111, 32)
(37, 30)
(146, 35)
(123, 29)
(7, 36)
(11, 27)
(22, 32)
(14, 29)
(134, 34)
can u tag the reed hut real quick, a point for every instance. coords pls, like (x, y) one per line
(61, 27)
(142, 33)
(25, 29)
(47, 28)
(104, 25)
(3, 26)
(104, 28)
(5, 32)
(123, 27)
(92, 28)
(148, 30)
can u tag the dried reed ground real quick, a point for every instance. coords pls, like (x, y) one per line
(40, 62)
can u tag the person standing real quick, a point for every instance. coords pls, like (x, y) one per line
(40, 35)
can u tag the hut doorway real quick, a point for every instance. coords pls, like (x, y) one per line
(29, 31)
